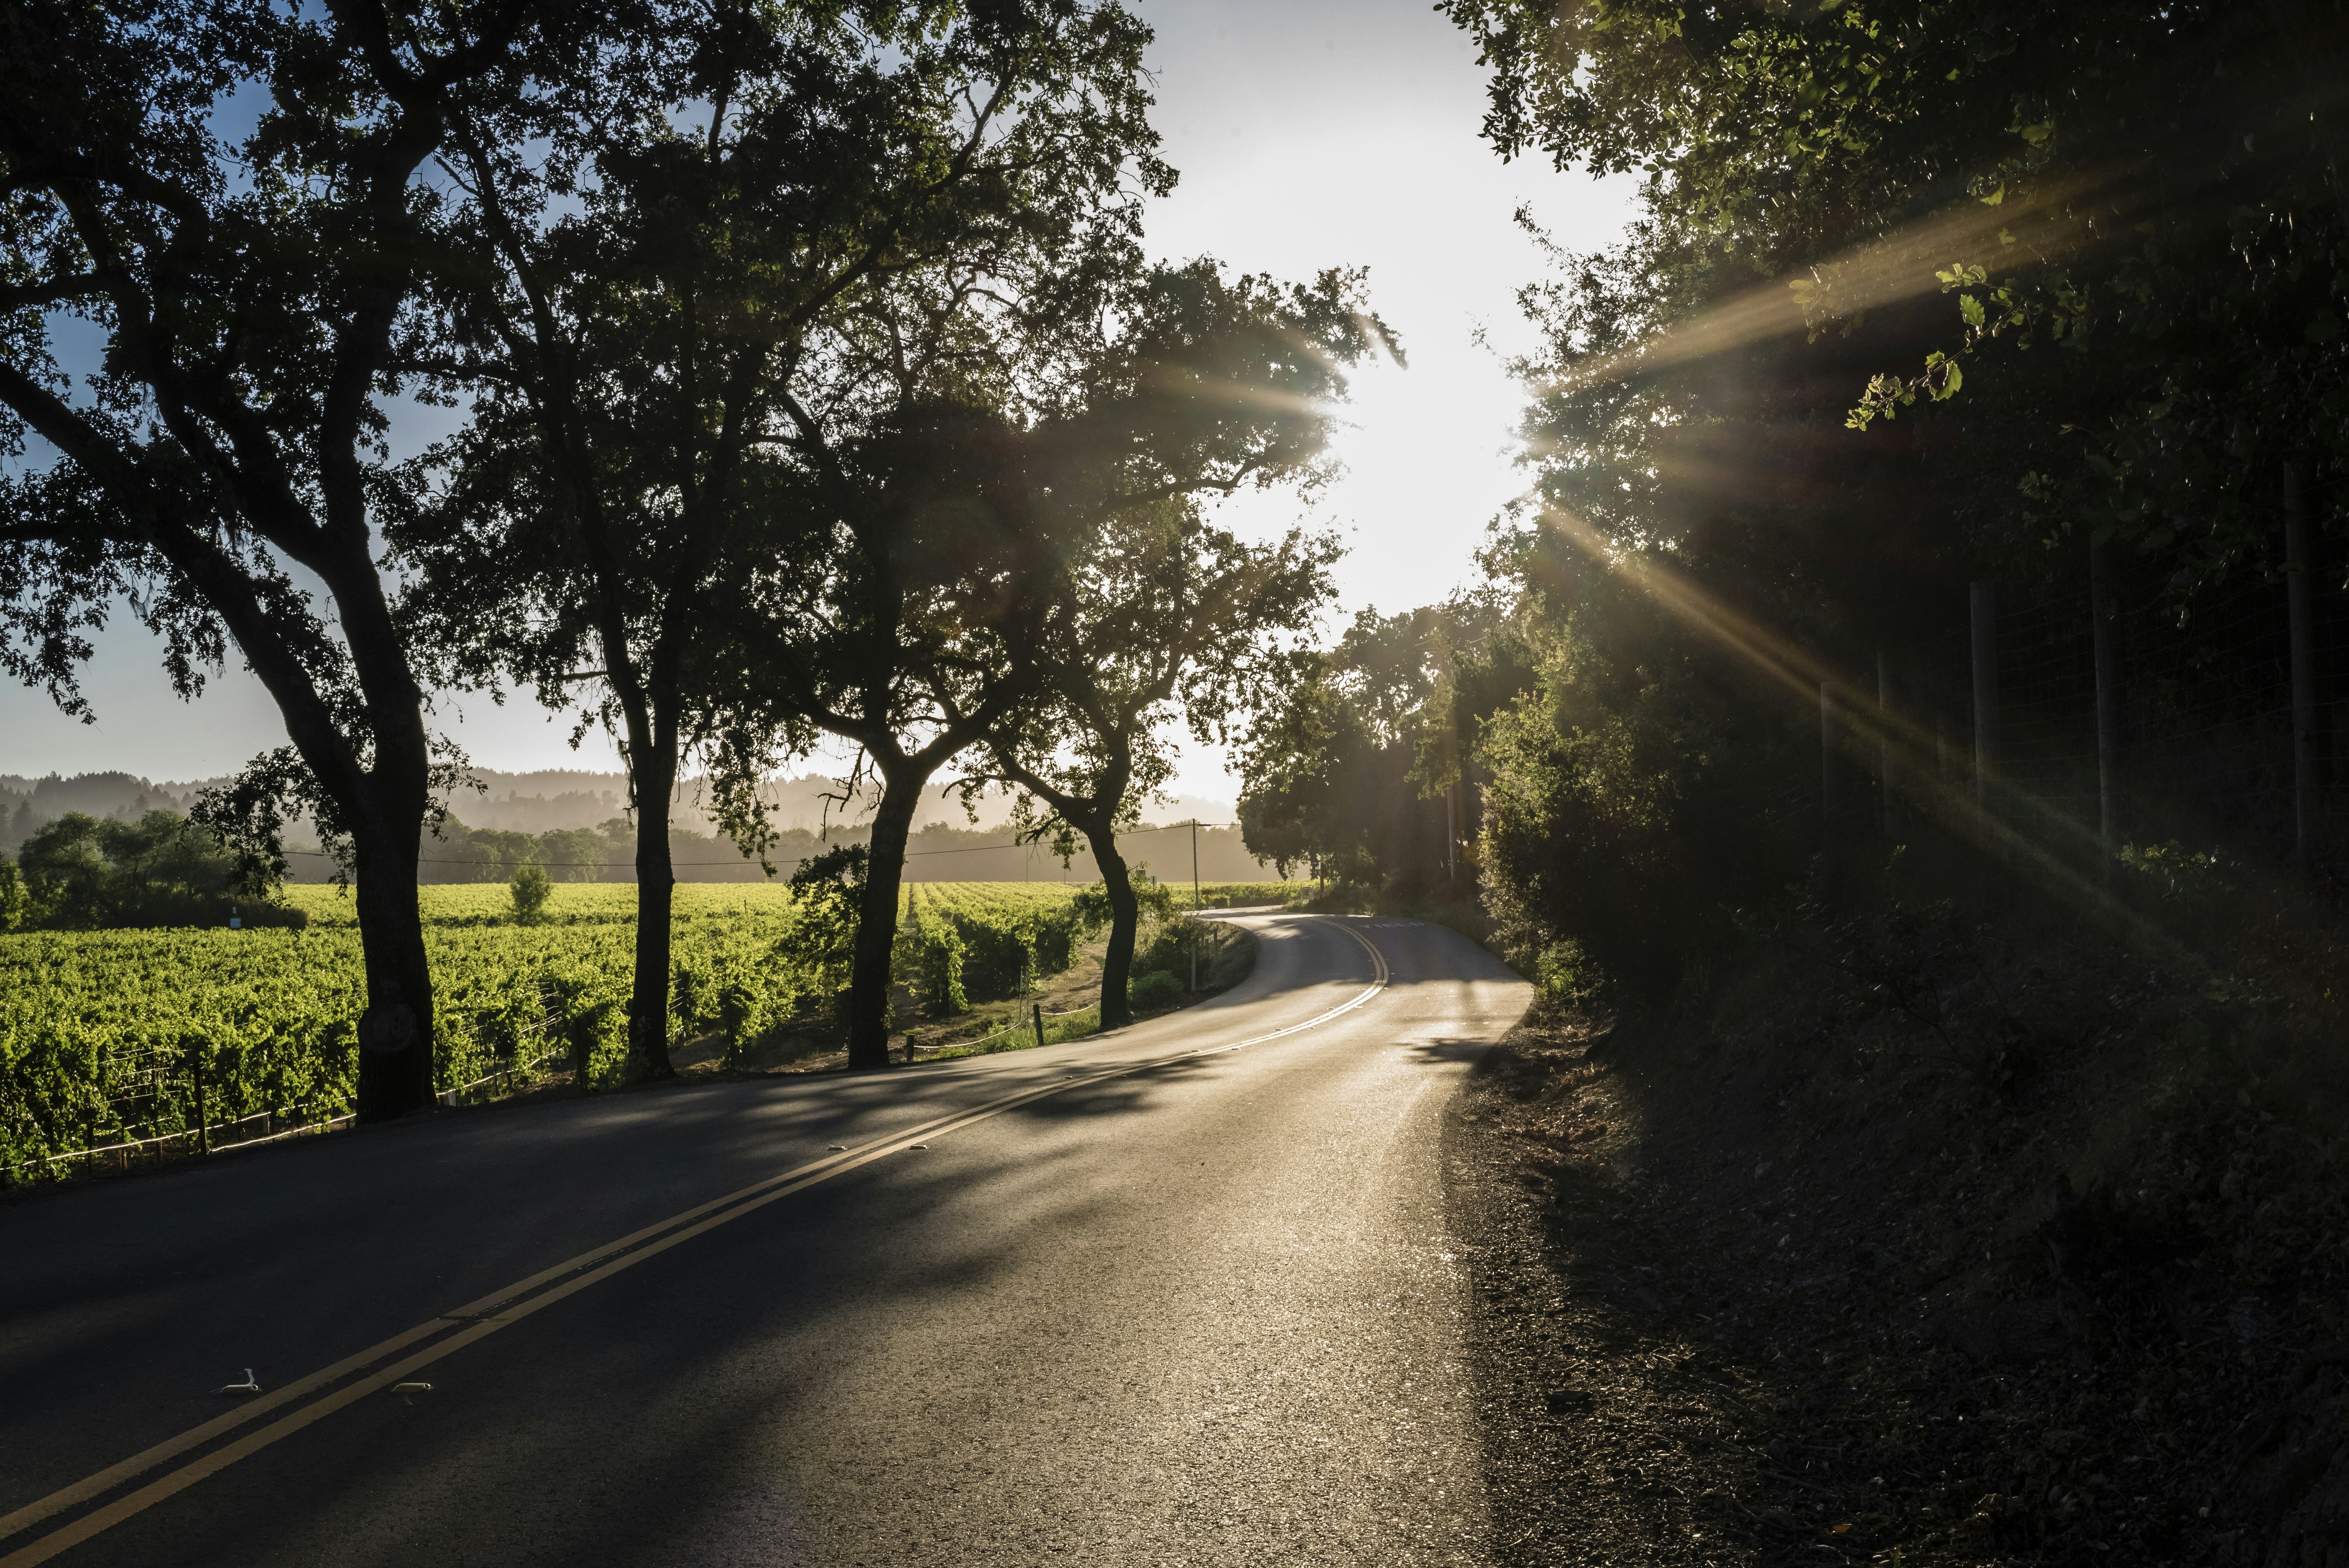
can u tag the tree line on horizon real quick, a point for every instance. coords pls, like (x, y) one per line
(804, 377)
(461, 851)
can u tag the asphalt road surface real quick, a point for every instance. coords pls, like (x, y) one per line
(1175, 1295)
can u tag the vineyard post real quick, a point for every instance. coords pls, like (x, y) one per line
(1037, 1009)
(196, 1071)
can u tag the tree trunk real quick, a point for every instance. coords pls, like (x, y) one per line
(395, 1031)
(1124, 919)
(656, 897)
(877, 920)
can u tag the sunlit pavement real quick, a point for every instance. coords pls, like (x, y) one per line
(1201, 1312)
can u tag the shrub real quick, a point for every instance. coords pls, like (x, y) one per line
(1621, 813)
(1153, 991)
(1058, 937)
(998, 959)
(940, 959)
(742, 1017)
(1565, 975)
(529, 890)
(1170, 944)
(818, 944)
(82, 873)
(691, 996)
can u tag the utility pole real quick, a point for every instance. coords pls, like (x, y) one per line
(1451, 836)
(1194, 904)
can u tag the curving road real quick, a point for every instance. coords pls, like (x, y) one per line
(1175, 1295)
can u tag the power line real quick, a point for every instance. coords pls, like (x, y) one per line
(745, 860)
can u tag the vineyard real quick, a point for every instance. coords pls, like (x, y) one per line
(113, 1038)
(981, 942)
(1226, 894)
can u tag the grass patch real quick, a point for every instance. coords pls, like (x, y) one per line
(1021, 1036)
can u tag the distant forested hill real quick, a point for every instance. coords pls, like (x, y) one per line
(573, 821)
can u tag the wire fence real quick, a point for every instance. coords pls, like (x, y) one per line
(2200, 740)
(154, 1098)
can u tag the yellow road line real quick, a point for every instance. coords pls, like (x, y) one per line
(486, 1320)
(1377, 963)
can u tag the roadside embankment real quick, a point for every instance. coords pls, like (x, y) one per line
(1921, 1238)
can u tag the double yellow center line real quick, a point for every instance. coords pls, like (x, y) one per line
(479, 1319)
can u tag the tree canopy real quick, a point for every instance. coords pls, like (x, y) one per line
(1165, 613)
(233, 200)
(766, 229)
(961, 523)
(1924, 294)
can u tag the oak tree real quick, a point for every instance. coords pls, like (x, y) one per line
(685, 295)
(218, 219)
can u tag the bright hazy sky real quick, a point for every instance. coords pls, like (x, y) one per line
(1310, 133)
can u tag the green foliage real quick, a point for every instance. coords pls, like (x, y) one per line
(1053, 942)
(820, 942)
(82, 1014)
(2174, 872)
(221, 413)
(595, 1035)
(2109, 322)
(82, 872)
(938, 964)
(742, 1016)
(1154, 990)
(1360, 772)
(1336, 767)
(1153, 899)
(1219, 895)
(2200, 897)
(1172, 945)
(529, 889)
(984, 941)
(15, 902)
(575, 854)
(1579, 815)
(1630, 795)
(1565, 976)
(1304, 766)
(691, 999)
(998, 959)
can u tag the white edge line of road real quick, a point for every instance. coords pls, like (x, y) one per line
(484, 1317)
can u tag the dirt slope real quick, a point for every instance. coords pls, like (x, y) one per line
(1913, 1244)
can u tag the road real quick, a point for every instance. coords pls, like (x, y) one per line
(1189, 1301)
